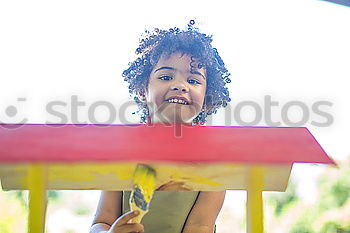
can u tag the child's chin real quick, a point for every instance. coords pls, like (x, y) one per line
(180, 115)
(164, 118)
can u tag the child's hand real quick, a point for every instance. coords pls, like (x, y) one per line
(123, 224)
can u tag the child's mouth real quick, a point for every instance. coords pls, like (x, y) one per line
(177, 101)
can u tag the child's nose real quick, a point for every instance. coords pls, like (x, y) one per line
(179, 87)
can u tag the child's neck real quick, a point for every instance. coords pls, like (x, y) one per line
(151, 121)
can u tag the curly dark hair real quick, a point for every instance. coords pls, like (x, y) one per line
(190, 41)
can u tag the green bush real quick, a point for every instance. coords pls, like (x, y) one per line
(282, 200)
(340, 190)
(301, 227)
(333, 227)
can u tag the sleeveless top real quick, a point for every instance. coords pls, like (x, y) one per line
(168, 210)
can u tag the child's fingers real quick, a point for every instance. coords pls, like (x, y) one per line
(131, 227)
(126, 217)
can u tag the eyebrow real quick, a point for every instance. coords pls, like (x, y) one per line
(164, 68)
(171, 68)
(199, 73)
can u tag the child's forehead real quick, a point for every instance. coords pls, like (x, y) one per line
(174, 57)
(185, 60)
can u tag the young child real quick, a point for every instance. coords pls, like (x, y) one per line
(178, 77)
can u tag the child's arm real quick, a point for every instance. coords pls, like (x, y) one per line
(204, 213)
(108, 210)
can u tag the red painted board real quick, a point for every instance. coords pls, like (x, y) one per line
(174, 143)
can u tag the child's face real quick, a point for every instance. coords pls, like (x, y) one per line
(175, 94)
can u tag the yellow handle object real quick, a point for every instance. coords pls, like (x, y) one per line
(144, 186)
(137, 219)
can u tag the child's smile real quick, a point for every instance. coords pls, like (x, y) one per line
(175, 91)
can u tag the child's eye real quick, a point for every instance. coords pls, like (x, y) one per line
(165, 77)
(193, 81)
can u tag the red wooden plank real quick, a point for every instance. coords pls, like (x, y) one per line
(175, 143)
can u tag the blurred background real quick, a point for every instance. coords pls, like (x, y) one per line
(295, 53)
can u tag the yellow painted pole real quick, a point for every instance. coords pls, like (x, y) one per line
(37, 198)
(255, 218)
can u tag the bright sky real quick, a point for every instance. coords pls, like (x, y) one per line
(295, 50)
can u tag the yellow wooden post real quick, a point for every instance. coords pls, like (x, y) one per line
(255, 218)
(37, 198)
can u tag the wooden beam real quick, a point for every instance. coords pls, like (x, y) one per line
(37, 198)
(255, 218)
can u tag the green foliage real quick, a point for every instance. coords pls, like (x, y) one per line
(282, 200)
(53, 195)
(21, 196)
(333, 199)
(82, 210)
(340, 190)
(301, 227)
(304, 222)
(334, 194)
(333, 227)
(335, 191)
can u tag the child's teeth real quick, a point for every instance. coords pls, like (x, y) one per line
(177, 101)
